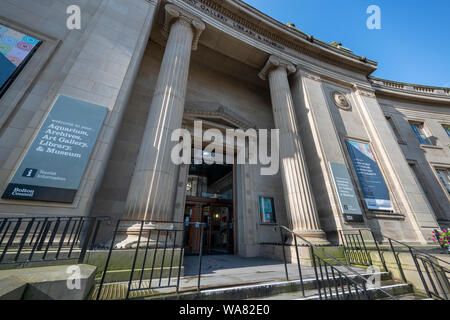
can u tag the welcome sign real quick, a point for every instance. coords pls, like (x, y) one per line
(55, 162)
(375, 191)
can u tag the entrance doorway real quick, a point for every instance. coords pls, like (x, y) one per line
(209, 200)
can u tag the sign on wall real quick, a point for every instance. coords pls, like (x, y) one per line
(346, 193)
(267, 210)
(375, 191)
(15, 50)
(55, 162)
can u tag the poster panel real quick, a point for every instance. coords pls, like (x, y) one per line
(57, 158)
(374, 189)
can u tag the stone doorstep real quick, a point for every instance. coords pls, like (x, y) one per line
(396, 290)
(247, 291)
(50, 282)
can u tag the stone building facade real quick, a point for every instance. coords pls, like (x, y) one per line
(158, 65)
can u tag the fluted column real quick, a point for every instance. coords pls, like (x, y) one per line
(152, 190)
(300, 205)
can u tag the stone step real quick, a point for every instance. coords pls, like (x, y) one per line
(236, 292)
(403, 290)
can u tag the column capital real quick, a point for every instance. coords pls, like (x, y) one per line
(275, 62)
(174, 13)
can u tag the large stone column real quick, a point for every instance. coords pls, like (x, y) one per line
(300, 205)
(152, 190)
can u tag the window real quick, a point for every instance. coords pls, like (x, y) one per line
(444, 175)
(16, 48)
(419, 131)
(446, 128)
(394, 128)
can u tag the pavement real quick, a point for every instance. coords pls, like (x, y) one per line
(218, 271)
(229, 270)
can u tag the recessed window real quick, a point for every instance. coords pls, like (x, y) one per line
(393, 127)
(420, 132)
(446, 128)
(444, 176)
(16, 48)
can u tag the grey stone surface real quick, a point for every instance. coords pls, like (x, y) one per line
(51, 283)
(11, 288)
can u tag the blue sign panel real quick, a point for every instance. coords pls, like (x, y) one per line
(346, 193)
(375, 191)
(55, 162)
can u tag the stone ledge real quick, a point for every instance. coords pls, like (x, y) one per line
(50, 283)
(12, 288)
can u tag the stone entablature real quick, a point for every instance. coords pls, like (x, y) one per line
(409, 88)
(249, 21)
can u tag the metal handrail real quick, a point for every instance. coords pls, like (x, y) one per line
(143, 245)
(416, 255)
(26, 236)
(354, 272)
(418, 250)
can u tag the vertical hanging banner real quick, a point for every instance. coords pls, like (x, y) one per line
(346, 193)
(56, 160)
(375, 191)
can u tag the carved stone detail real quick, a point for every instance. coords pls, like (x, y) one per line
(364, 91)
(274, 62)
(340, 100)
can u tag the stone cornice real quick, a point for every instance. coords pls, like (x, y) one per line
(265, 29)
(274, 62)
(173, 12)
(211, 109)
(410, 91)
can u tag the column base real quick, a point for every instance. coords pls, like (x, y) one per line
(128, 235)
(316, 237)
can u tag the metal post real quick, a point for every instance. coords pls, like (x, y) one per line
(379, 252)
(298, 264)
(398, 262)
(200, 257)
(107, 260)
(284, 254)
(315, 271)
(134, 260)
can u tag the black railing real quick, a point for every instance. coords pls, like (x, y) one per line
(157, 259)
(355, 249)
(31, 239)
(331, 282)
(433, 272)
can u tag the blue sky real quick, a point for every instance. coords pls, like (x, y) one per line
(413, 44)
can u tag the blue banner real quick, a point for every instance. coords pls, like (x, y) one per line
(375, 191)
